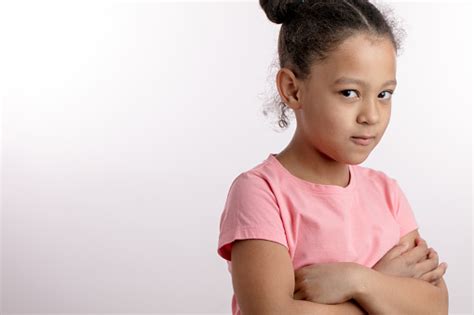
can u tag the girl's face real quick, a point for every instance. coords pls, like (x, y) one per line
(334, 107)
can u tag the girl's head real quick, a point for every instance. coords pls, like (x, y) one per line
(324, 47)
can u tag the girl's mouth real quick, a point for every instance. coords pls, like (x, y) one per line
(362, 141)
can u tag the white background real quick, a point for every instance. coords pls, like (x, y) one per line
(124, 123)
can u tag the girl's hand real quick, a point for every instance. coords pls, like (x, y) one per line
(419, 262)
(328, 283)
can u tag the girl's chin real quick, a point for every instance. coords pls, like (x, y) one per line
(357, 158)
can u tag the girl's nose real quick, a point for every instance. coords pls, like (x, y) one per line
(369, 113)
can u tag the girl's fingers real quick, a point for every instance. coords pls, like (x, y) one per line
(426, 266)
(436, 274)
(417, 253)
(433, 255)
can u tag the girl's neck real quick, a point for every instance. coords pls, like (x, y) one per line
(313, 166)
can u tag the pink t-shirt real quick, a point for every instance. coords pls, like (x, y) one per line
(316, 223)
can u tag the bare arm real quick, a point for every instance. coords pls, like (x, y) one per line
(375, 290)
(263, 281)
(306, 307)
(385, 294)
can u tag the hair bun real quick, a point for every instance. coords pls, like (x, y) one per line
(279, 11)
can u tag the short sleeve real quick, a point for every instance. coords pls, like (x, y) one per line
(250, 212)
(403, 212)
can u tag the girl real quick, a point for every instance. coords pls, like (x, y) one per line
(308, 231)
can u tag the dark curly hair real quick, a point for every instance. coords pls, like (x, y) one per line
(311, 29)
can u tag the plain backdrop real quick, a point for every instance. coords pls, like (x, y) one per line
(125, 122)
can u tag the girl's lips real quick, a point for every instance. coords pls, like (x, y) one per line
(362, 141)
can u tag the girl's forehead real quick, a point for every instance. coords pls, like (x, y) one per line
(358, 57)
(364, 48)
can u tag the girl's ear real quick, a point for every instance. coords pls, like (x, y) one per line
(289, 88)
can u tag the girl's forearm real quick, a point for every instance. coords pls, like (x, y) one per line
(302, 307)
(379, 293)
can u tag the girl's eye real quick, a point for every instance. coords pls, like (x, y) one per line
(390, 95)
(346, 92)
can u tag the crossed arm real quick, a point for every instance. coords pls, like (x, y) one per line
(264, 283)
(379, 293)
(384, 294)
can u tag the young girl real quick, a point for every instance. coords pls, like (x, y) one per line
(308, 231)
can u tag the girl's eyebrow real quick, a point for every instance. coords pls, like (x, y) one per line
(342, 80)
